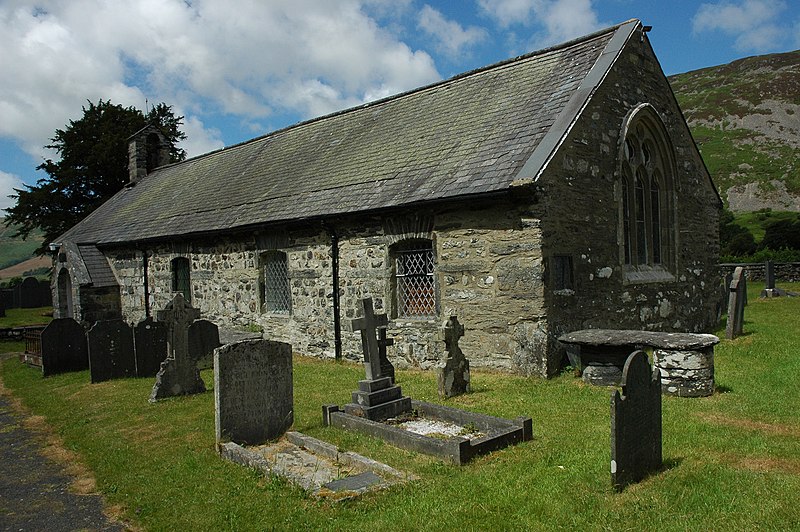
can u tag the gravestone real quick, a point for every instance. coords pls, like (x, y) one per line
(178, 374)
(203, 339)
(111, 352)
(636, 423)
(737, 299)
(377, 398)
(253, 394)
(453, 377)
(64, 347)
(2, 307)
(150, 338)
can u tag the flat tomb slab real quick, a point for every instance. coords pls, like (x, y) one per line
(316, 466)
(484, 434)
(625, 338)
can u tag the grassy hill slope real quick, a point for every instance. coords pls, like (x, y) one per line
(745, 117)
(15, 250)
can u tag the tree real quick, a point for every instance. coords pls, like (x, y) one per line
(734, 239)
(782, 234)
(93, 166)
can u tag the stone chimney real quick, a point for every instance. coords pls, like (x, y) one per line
(147, 150)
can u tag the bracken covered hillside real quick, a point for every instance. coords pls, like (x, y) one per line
(745, 117)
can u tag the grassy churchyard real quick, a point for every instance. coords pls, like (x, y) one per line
(732, 461)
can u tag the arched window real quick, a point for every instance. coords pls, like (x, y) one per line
(414, 282)
(647, 166)
(181, 281)
(65, 309)
(276, 295)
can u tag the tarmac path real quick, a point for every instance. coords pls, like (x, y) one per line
(35, 490)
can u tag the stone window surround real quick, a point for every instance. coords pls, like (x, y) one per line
(646, 157)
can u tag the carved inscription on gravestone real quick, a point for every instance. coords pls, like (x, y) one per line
(253, 392)
(636, 423)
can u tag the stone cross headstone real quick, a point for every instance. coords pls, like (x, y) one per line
(377, 397)
(453, 376)
(111, 352)
(203, 339)
(368, 325)
(178, 374)
(150, 339)
(636, 423)
(736, 303)
(64, 347)
(253, 394)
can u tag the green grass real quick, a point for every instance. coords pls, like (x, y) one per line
(18, 317)
(732, 460)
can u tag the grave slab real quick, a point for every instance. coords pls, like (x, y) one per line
(111, 351)
(64, 347)
(316, 466)
(636, 423)
(150, 340)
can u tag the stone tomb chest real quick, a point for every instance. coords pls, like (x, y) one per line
(685, 360)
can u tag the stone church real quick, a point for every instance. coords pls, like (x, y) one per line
(555, 191)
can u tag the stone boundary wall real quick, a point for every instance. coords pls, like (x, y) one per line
(787, 272)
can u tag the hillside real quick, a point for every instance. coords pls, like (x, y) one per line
(15, 250)
(745, 117)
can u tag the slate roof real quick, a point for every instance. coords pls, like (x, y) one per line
(97, 266)
(472, 134)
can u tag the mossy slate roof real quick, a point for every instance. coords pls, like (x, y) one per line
(472, 134)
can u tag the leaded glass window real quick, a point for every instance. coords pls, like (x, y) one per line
(276, 292)
(646, 218)
(414, 281)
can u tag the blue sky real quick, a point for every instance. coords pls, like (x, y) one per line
(238, 69)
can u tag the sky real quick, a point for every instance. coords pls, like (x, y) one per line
(239, 69)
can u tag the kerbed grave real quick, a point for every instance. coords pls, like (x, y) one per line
(380, 410)
(253, 398)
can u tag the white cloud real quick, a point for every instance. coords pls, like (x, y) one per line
(206, 57)
(557, 20)
(451, 37)
(756, 24)
(8, 182)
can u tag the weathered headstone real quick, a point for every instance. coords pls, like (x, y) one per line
(377, 397)
(253, 394)
(203, 339)
(453, 376)
(636, 423)
(64, 347)
(111, 353)
(150, 337)
(736, 303)
(178, 374)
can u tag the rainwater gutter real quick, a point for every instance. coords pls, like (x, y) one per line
(337, 321)
(146, 285)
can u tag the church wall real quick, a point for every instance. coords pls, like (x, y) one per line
(582, 196)
(488, 273)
